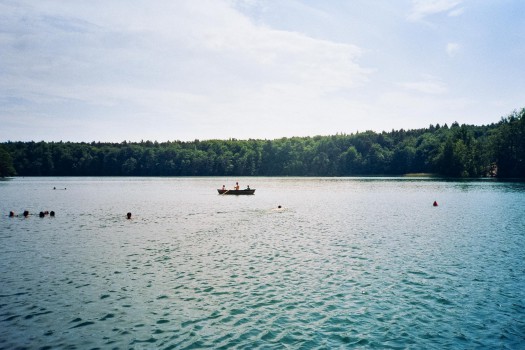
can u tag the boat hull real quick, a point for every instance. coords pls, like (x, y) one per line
(236, 192)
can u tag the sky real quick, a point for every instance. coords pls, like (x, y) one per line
(165, 70)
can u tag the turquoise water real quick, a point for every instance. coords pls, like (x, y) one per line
(346, 263)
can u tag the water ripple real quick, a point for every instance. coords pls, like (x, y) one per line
(362, 265)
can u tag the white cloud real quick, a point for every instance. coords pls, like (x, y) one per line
(452, 49)
(429, 85)
(182, 46)
(193, 65)
(188, 69)
(456, 12)
(425, 8)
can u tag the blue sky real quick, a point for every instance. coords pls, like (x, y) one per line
(115, 70)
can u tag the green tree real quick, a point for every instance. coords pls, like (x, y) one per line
(508, 145)
(351, 162)
(6, 164)
(129, 166)
(464, 150)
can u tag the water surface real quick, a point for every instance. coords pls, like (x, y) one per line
(347, 262)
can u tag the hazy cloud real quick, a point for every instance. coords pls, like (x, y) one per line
(188, 46)
(428, 86)
(137, 69)
(452, 49)
(424, 8)
(458, 11)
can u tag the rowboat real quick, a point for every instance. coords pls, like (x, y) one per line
(236, 192)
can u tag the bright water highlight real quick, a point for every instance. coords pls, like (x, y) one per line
(347, 263)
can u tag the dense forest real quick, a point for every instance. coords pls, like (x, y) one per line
(455, 151)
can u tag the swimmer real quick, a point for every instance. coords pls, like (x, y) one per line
(128, 215)
(279, 208)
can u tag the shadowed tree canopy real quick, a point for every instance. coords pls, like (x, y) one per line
(6, 163)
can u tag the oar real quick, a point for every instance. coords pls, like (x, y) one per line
(224, 192)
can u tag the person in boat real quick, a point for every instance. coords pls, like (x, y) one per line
(224, 187)
(236, 187)
(248, 187)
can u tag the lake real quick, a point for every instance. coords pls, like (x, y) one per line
(345, 263)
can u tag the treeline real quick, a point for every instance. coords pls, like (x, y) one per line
(456, 151)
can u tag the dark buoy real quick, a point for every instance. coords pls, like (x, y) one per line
(41, 214)
(52, 213)
(128, 215)
(278, 207)
(26, 213)
(435, 204)
(11, 214)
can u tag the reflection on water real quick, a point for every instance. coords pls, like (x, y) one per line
(366, 263)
